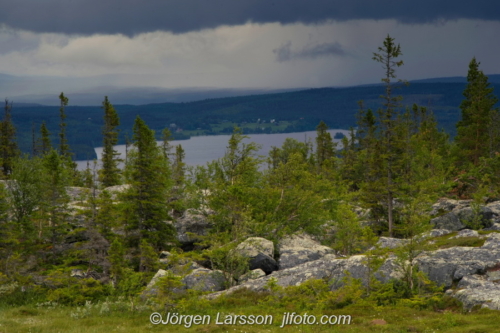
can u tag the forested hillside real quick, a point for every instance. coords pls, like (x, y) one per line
(302, 111)
(89, 242)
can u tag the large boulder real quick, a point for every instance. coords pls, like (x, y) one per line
(203, 279)
(191, 225)
(447, 266)
(460, 217)
(260, 253)
(327, 267)
(298, 249)
(476, 290)
(390, 243)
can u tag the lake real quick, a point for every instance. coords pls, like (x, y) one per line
(202, 149)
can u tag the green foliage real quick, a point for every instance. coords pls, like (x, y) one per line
(110, 173)
(8, 144)
(145, 203)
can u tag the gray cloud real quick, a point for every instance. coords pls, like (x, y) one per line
(285, 53)
(131, 17)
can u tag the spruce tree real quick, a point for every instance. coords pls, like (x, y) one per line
(8, 146)
(325, 147)
(387, 56)
(150, 182)
(478, 118)
(63, 141)
(45, 143)
(110, 173)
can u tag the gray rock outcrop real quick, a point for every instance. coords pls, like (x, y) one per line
(460, 217)
(260, 253)
(191, 225)
(298, 249)
(203, 279)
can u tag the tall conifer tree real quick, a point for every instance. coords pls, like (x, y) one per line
(110, 173)
(8, 145)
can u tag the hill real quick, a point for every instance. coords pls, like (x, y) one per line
(298, 110)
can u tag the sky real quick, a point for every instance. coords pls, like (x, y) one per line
(244, 44)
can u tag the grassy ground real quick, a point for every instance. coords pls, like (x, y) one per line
(120, 317)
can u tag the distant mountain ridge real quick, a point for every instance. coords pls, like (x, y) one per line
(299, 110)
(91, 90)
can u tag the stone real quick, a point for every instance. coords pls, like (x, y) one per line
(448, 221)
(298, 249)
(260, 252)
(252, 275)
(390, 243)
(190, 226)
(437, 233)
(474, 291)
(466, 233)
(203, 279)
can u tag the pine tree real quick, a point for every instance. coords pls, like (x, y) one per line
(8, 145)
(179, 167)
(110, 173)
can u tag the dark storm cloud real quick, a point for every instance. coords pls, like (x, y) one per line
(285, 53)
(135, 16)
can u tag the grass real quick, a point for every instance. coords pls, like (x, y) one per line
(118, 316)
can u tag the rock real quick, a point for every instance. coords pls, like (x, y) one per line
(78, 193)
(252, 275)
(203, 279)
(190, 225)
(443, 205)
(494, 226)
(437, 233)
(78, 273)
(446, 266)
(165, 255)
(466, 233)
(459, 218)
(390, 243)
(117, 189)
(151, 288)
(298, 249)
(327, 267)
(467, 215)
(476, 291)
(448, 221)
(260, 253)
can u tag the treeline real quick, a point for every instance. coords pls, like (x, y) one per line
(391, 169)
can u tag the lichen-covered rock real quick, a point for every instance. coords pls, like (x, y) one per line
(448, 221)
(203, 279)
(260, 252)
(192, 224)
(151, 288)
(117, 189)
(390, 243)
(437, 233)
(252, 275)
(448, 265)
(466, 233)
(298, 249)
(475, 290)
(327, 267)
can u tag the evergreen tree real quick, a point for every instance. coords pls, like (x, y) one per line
(110, 173)
(387, 56)
(63, 141)
(479, 117)
(325, 147)
(8, 145)
(179, 167)
(149, 175)
(45, 143)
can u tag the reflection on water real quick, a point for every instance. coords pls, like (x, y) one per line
(202, 149)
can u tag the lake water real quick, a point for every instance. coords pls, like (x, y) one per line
(202, 149)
